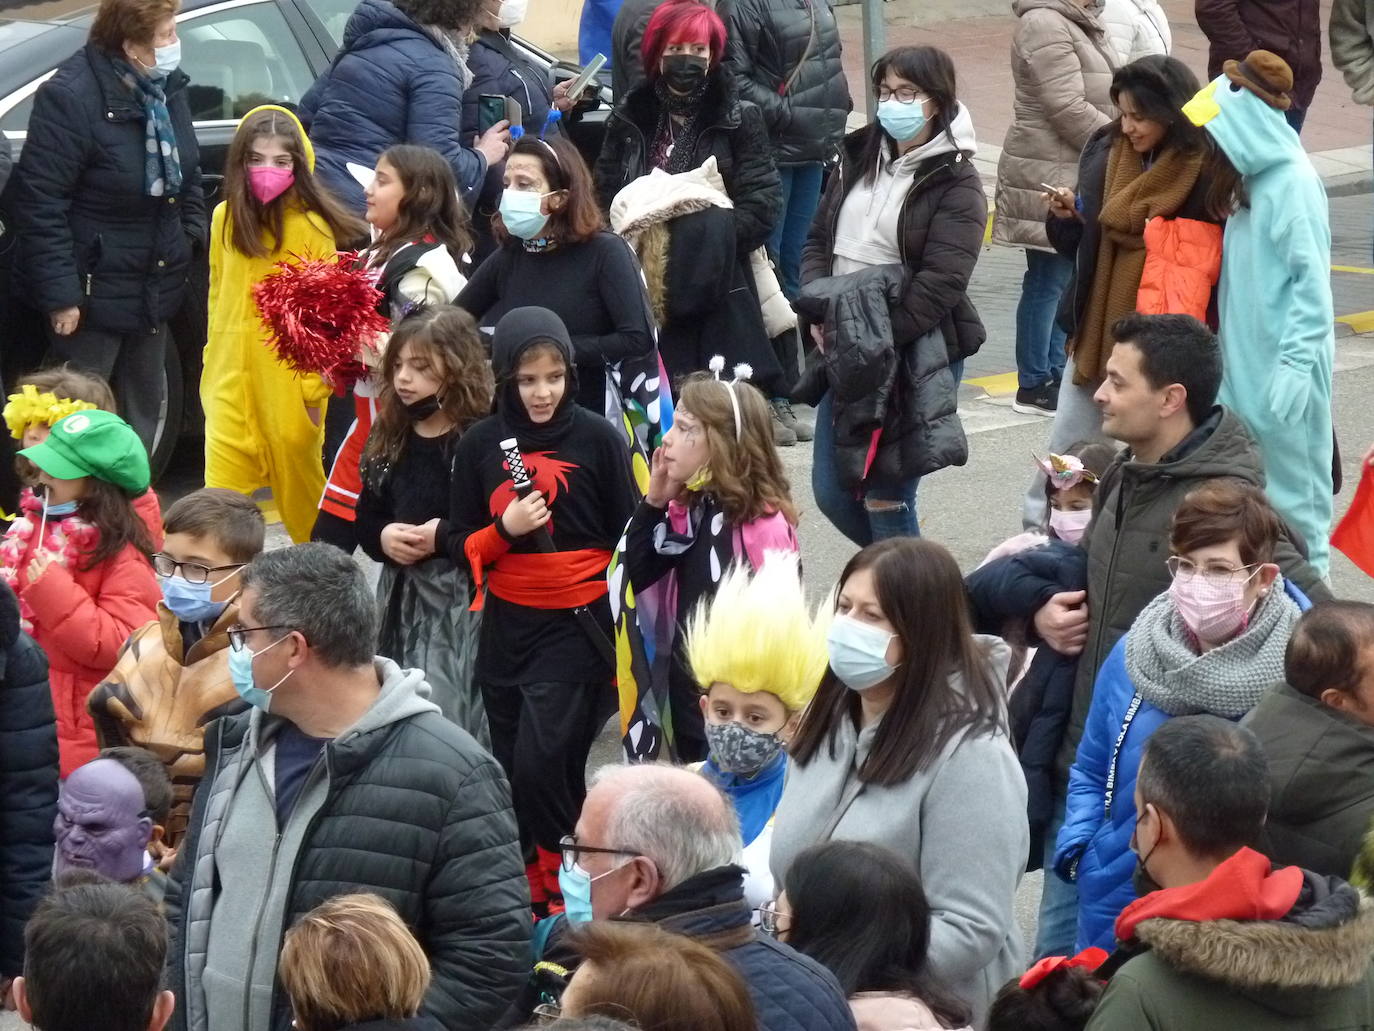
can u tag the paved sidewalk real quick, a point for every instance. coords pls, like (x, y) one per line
(1337, 133)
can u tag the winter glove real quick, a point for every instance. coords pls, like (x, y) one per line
(1289, 391)
(1066, 862)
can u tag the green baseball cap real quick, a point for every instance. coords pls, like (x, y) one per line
(93, 443)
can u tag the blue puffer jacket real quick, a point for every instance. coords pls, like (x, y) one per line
(791, 992)
(1094, 846)
(1005, 595)
(391, 83)
(28, 781)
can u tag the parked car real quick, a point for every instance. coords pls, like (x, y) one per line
(239, 54)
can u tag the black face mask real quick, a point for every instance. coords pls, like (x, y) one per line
(1141, 880)
(422, 409)
(684, 73)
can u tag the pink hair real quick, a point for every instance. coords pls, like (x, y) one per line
(681, 21)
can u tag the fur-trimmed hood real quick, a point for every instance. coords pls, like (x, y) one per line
(1324, 940)
(662, 196)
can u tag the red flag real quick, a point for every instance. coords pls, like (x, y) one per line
(1354, 534)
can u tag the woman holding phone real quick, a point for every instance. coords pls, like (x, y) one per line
(1151, 162)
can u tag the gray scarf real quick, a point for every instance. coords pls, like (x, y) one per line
(1163, 664)
(455, 44)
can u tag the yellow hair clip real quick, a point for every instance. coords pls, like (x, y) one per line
(29, 407)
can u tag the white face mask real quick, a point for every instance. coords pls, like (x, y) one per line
(512, 12)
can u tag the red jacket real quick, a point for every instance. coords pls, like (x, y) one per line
(1182, 266)
(81, 618)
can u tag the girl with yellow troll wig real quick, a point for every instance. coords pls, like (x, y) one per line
(758, 654)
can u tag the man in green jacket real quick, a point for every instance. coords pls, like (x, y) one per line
(1222, 938)
(1317, 731)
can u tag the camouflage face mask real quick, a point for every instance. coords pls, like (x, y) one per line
(737, 749)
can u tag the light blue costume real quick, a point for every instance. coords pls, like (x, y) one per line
(1277, 338)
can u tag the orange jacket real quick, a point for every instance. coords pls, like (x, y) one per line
(1182, 266)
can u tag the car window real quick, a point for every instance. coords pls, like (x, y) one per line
(239, 57)
(16, 119)
(334, 14)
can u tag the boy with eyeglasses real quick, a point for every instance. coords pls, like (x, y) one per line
(172, 676)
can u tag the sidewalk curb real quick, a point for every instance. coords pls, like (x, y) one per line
(1350, 185)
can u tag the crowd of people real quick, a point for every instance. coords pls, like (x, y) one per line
(246, 788)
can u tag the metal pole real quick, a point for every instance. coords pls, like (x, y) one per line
(875, 45)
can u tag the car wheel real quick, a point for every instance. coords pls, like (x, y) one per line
(172, 391)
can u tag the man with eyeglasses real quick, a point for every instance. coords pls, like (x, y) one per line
(172, 675)
(1159, 399)
(661, 844)
(342, 777)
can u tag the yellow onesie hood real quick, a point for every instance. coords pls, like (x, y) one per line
(305, 139)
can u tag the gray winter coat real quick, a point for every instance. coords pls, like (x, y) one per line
(1351, 32)
(1061, 65)
(403, 804)
(1128, 543)
(906, 396)
(786, 58)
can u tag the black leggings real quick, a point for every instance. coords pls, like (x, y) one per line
(541, 734)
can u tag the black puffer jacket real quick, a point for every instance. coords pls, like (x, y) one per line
(28, 781)
(735, 137)
(415, 811)
(786, 58)
(89, 235)
(940, 233)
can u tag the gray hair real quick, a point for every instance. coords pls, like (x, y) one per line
(684, 832)
(320, 591)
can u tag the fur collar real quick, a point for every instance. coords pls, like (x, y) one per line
(1267, 954)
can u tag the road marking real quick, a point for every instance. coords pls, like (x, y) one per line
(995, 386)
(1353, 268)
(1360, 321)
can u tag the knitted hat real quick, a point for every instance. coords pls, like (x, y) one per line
(98, 444)
(1264, 74)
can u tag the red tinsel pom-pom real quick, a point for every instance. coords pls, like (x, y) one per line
(319, 313)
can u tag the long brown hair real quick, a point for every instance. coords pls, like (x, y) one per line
(746, 472)
(652, 978)
(579, 218)
(251, 222)
(110, 511)
(922, 595)
(429, 204)
(448, 337)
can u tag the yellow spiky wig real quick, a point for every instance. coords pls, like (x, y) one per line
(757, 634)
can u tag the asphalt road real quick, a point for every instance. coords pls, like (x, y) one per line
(970, 509)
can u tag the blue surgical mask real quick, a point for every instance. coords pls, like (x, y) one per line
(901, 121)
(191, 602)
(58, 511)
(167, 59)
(521, 215)
(858, 653)
(576, 886)
(241, 672)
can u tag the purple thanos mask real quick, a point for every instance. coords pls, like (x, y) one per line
(102, 822)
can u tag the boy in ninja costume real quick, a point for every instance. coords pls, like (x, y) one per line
(1277, 337)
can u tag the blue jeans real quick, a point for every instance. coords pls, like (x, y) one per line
(1296, 116)
(1039, 342)
(1058, 927)
(801, 195)
(880, 512)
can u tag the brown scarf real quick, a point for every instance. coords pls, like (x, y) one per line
(1133, 197)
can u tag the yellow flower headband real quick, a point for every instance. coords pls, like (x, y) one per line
(29, 407)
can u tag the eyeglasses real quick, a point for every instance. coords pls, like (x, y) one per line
(902, 94)
(570, 849)
(238, 634)
(191, 572)
(770, 917)
(1183, 570)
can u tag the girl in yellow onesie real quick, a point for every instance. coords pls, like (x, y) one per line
(264, 423)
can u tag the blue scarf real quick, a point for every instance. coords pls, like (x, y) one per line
(161, 162)
(755, 798)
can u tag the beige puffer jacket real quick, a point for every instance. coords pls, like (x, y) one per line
(1062, 66)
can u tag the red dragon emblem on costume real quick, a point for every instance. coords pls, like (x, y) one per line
(548, 473)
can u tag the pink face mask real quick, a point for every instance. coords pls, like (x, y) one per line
(1070, 526)
(268, 182)
(1214, 610)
